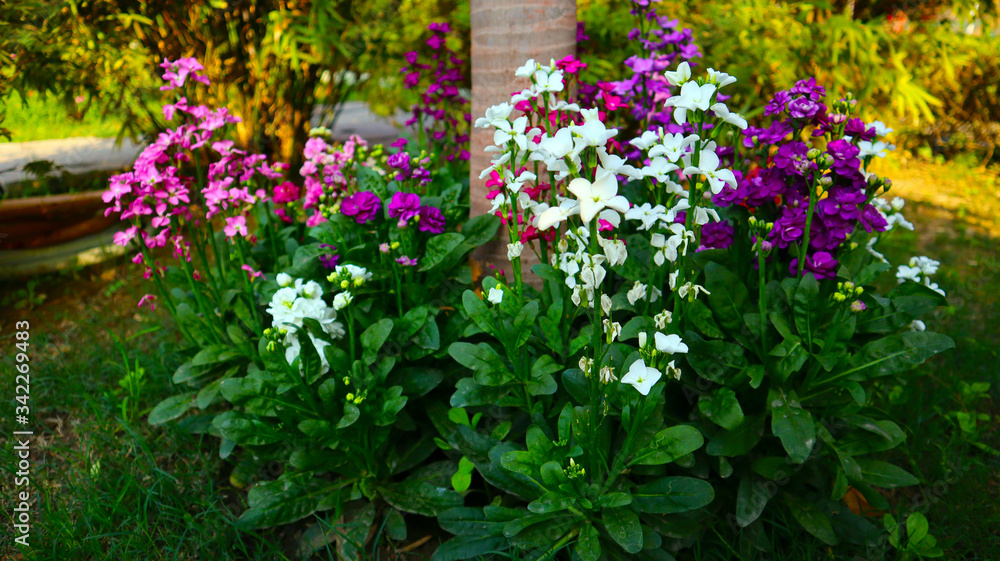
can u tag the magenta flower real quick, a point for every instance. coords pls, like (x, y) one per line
(406, 261)
(236, 225)
(431, 220)
(404, 206)
(251, 273)
(177, 72)
(363, 206)
(150, 300)
(821, 264)
(286, 192)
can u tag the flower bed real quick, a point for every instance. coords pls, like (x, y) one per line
(702, 352)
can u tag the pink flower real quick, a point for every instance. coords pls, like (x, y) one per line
(236, 225)
(251, 273)
(149, 299)
(122, 238)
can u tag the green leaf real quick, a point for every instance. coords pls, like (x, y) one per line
(668, 445)
(811, 518)
(489, 368)
(895, 354)
(751, 498)
(884, 474)
(701, 317)
(480, 229)
(550, 502)
(273, 504)
(246, 430)
(739, 441)
(623, 525)
(468, 393)
(523, 324)
(478, 311)
(588, 545)
(806, 304)
(373, 338)
(469, 547)
(671, 495)
(722, 408)
(729, 299)
(792, 424)
(171, 408)
(438, 248)
(420, 497)
(715, 360)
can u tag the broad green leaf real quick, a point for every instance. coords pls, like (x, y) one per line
(668, 445)
(806, 306)
(895, 354)
(480, 229)
(884, 474)
(469, 547)
(373, 338)
(438, 249)
(523, 324)
(489, 368)
(671, 495)
(729, 299)
(420, 497)
(279, 505)
(478, 311)
(623, 525)
(814, 520)
(171, 408)
(722, 408)
(739, 441)
(751, 498)
(588, 545)
(792, 424)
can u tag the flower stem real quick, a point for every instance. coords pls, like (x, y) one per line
(804, 248)
(762, 301)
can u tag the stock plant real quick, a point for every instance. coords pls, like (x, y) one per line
(709, 314)
(701, 352)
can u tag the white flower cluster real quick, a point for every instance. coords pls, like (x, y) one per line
(585, 272)
(347, 276)
(295, 301)
(920, 266)
(892, 212)
(878, 147)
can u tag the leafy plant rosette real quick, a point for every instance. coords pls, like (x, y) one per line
(316, 314)
(706, 348)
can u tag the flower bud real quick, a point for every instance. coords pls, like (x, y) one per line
(812, 154)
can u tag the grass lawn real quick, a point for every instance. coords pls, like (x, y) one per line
(108, 486)
(43, 117)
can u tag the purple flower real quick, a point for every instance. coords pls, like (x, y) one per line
(404, 206)
(328, 260)
(855, 128)
(431, 220)
(792, 158)
(406, 261)
(363, 206)
(845, 156)
(399, 160)
(821, 264)
(808, 87)
(873, 220)
(790, 226)
(777, 104)
(716, 235)
(803, 108)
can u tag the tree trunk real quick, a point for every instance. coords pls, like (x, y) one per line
(505, 33)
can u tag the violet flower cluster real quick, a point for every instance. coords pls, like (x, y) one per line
(441, 99)
(817, 197)
(324, 175)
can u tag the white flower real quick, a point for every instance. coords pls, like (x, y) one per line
(693, 289)
(585, 364)
(670, 344)
(661, 319)
(495, 295)
(673, 371)
(642, 340)
(897, 203)
(667, 249)
(673, 146)
(559, 145)
(614, 250)
(722, 112)
(311, 290)
(548, 82)
(512, 131)
(658, 169)
(720, 78)
(641, 377)
(636, 293)
(575, 297)
(607, 376)
(494, 115)
(871, 249)
(526, 70)
(515, 183)
(617, 164)
(877, 148)
(562, 105)
(680, 76)
(908, 273)
(693, 97)
(926, 265)
(592, 132)
(917, 325)
(612, 330)
(598, 195)
(606, 305)
(880, 128)
(514, 250)
(340, 301)
(708, 165)
(933, 286)
(643, 142)
(283, 279)
(646, 214)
